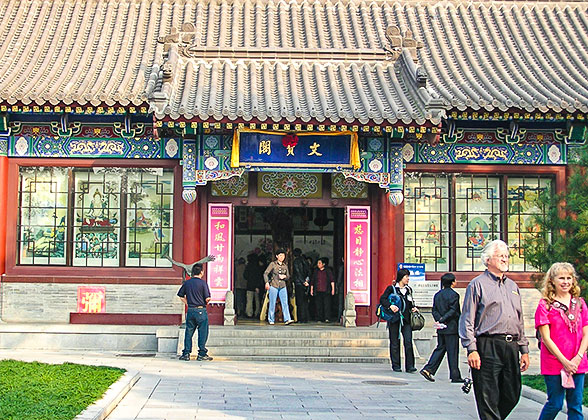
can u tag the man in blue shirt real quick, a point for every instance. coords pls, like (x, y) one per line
(196, 294)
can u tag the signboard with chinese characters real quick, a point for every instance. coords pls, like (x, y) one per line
(423, 290)
(295, 150)
(358, 253)
(220, 244)
(91, 299)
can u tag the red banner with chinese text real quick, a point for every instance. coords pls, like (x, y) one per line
(220, 244)
(358, 253)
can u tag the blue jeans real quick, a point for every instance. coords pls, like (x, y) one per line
(196, 318)
(555, 398)
(274, 292)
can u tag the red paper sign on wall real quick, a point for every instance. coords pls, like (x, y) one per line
(220, 244)
(91, 299)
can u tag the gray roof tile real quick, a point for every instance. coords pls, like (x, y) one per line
(313, 60)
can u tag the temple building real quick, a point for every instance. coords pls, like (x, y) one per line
(370, 132)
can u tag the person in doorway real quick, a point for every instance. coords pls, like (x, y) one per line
(240, 287)
(275, 275)
(254, 276)
(340, 290)
(491, 327)
(301, 277)
(322, 287)
(562, 320)
(196, 294)
(400, 325)
(446, 314)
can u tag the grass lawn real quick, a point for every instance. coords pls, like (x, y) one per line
(537, 382)
(39, 391)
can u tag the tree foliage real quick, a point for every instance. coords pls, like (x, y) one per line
(563, 224)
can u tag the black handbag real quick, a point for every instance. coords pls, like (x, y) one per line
(417, 321)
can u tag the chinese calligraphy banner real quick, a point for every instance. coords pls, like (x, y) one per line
(220, 244)
(358, 253)
(295, 150)
(91, 299)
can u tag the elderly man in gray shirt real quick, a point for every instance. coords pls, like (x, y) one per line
(491, 328)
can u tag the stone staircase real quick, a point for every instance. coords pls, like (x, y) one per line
(297, 343)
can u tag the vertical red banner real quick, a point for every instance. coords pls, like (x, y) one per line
(91, 299)
(358, 253)
(220, 244)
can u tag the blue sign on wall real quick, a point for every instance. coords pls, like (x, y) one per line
(417, 271)
(301, 150)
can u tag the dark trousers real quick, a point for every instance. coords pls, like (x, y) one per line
(301, 303)
(240, 300)
(323, 305)
(497, 385)
(196, 318)
(393, 330)
(446, 343)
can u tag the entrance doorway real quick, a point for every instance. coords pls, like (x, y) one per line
(260, 231)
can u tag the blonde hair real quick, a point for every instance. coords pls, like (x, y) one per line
(548, 290)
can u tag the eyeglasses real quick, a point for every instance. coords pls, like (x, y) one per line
(501, 256)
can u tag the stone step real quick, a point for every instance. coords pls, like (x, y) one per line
(229, 351)
(305, 359)
(294, 341)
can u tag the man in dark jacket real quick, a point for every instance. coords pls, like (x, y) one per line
(446, 314)
(301, 277)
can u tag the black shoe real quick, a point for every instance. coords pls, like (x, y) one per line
(206, 358)
(396, 369)
(184, 357)
(457, 381)
(427, 375)
(411, 370)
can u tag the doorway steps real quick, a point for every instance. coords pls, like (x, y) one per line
(296, 343)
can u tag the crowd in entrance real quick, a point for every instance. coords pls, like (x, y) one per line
(313, 289)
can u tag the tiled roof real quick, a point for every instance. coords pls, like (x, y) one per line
(77, 51)
(312, 60)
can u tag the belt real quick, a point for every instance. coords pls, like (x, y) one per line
(196, 307)
(506, 337)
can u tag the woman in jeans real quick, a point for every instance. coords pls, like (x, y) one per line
(562, 319)
(275, 277)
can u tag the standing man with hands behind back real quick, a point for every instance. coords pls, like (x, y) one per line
(491, 328)
(196, 294)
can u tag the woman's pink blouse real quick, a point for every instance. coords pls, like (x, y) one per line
(567, 342)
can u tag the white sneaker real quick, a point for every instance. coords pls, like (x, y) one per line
(289, 322)
(271, 323)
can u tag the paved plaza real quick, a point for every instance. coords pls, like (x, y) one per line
(172, 389)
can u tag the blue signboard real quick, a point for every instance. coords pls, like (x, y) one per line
(295, 150)
(417, 271)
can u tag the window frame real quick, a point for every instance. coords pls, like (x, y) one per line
(559, 174)
(76, 274)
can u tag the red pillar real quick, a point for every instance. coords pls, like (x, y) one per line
(3, 209)
(191, 231)
(387, 238)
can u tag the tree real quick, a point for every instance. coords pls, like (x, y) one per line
(563, 225)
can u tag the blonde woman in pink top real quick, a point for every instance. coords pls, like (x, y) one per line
(562, 319)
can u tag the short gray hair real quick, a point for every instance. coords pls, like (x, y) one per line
(490, 249)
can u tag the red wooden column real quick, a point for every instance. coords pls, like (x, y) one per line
(386, 258)
(191, 228)
(3, 209)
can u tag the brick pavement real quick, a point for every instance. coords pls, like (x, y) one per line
(174, 390)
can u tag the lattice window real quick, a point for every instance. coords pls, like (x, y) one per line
(521, 194)
(448, 219)
(96, 217)
(426, 221)
(43, 202)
